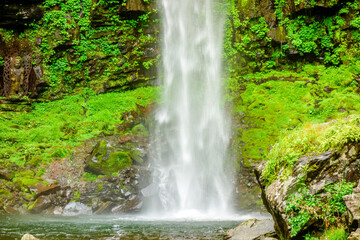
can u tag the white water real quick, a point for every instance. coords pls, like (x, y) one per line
(192, 132)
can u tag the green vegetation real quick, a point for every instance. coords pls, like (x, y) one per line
(106, 163)
(327, 209)
(78, 52)
(335, 234)
(310, 139)
(53, 129)
(272, 103)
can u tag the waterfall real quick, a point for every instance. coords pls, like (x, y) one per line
(192, 130)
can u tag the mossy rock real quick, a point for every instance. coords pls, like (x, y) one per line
(105, 162)
(4, 194)
(140, 130)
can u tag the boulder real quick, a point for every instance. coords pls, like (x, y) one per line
(323, 169)
(41, 189)
(252, 229)
(76, 208)
(28, 237)
(106, 159)
(42, 203)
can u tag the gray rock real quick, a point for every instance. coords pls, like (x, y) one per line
(355, 235)
(252, 229)
(76, 208)
(328, 167)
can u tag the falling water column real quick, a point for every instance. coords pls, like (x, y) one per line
(192, 134)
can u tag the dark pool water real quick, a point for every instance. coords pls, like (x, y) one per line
(110, 227)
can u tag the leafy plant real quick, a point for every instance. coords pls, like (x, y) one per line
(327, 208)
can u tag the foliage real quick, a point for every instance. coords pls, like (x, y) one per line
(51, 130)
(335, 234)
(68, 41)
(309, 139)
(327, 208)
(270, 104)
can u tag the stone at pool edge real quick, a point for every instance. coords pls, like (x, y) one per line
(253, 229)
(28, 237)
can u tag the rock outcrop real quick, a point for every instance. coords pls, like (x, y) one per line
(315, 173)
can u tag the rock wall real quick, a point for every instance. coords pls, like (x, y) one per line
(97, 44)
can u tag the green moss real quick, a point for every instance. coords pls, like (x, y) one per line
(118, 161)
(336, 233)
(310, 139)
(4, 194)
(269, 105)
(111, 163)
(76, 196)
(52, 129)
(99, 187)
(31, 205)
(140, 130)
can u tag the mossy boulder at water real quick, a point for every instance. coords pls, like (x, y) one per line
(308, 177)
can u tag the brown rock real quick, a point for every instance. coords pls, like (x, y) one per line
(352, 202)
(11, 210)
(42, 203)
(135, 5)
(103, 208)
(355, 235)
(40, 189)
(6, 174)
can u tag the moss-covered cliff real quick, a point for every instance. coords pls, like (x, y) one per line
(103, 45)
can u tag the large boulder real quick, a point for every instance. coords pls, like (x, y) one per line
(315, 172)
(253, 229)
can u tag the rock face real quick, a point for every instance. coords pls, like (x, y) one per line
(115, 194)
(323, 169)
(253, 229)
(352, 202)
(15, 14)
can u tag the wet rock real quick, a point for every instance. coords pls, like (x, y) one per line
(28, 237)
(253, 229)
(76, 208)
(58, 210)
(41, 189)
(11, 210)
(114, 194)
(104, 208)
(42, 203)
(352, 203)
(129, 206)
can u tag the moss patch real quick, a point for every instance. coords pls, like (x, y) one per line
(311, 139)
